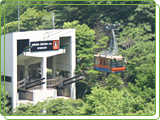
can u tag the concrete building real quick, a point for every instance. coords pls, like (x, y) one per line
(26, 56)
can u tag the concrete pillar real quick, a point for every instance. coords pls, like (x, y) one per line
(14, 77)
(26, 73)
(54, 69)
(44, 71)
(72, 66)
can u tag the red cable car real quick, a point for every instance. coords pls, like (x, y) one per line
(113, 64)
(108, 61)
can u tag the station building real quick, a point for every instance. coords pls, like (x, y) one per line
(25, 58)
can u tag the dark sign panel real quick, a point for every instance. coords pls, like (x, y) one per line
(44, 45)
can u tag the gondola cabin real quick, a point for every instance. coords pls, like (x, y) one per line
(113, 64)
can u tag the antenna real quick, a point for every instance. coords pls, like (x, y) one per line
(18, 18)
(53, 19)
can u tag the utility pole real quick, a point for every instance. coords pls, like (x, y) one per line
(53, 20)
(18, 18)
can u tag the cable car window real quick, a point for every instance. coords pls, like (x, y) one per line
(101, 61)
(98, 61)
(104, 62)
(113, 64)
(95, 61)
(108, 63)
(119, 63)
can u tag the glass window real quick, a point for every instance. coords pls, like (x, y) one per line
(119, 63)
(101, 61)
(98, 61)
(108, 62)
(104, 61)
(113, 64)
(95, 60)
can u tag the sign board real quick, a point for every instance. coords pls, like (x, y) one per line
(44, 45)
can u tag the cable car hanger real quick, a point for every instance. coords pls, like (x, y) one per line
(108, 61)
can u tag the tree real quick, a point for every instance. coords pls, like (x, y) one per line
(114, 102)
(64, 107)
(31, 19)
(141, 64)
(5, 104)
(113, 81)
(29, 109)
(85, 50)
(52, 107)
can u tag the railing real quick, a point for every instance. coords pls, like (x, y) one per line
(70, 80)
(21, 83)
(53, 82)
(35, 83)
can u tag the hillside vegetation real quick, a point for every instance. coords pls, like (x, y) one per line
(129, 93)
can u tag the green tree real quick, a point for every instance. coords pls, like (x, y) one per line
(85, 45)
(64, 107)
(5, 105)
(31, 19)
(141, 64)
(114, 102)
(113, 81)
(52, 107)
(29, 109)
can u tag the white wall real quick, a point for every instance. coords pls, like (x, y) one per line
(8, 60)
(63, 61)
(8, 54)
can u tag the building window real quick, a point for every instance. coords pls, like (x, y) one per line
(21, 75)
(21, 45)
(34, 73)
(7, 78)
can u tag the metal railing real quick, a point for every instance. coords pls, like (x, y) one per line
(21, 83)
(53, 82)
(35, 83)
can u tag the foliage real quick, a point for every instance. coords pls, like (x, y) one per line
(84, 45)
(80, 89)
(114, 102)
(51, 107)
(49, 72)
(31, 19)
(6, 103)
(114, 81)
(141, 64)
(136, 43)
(63, 107)
(29, 109)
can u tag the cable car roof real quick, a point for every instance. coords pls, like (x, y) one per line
(109, 56)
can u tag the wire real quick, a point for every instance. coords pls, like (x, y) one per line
(115, 12)
(98, 14)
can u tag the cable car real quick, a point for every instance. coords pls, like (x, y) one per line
(113, 64)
